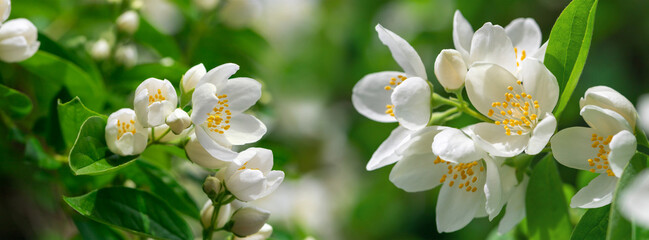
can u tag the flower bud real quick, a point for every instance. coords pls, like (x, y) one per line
(212, 187)
(126, 55)
(154, 100)
(607, 98)
(5, 9)
(100, 50)
(206, 5)
(450, 69)
(264, 233)
(224, 214)
(124, 134)
(248, 220)
(197, 154)
(18, 40)
(191, 77)
(178, 121)
(240, 13)
(128, 22)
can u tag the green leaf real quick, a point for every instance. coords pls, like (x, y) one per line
(163, 44)
(35, 153)
(164, 185)
(71, 115)
(545, 205)
(568, 47)
(131, 78)
(592, 225)
(90, 155)
(49, 67)
(14, 103)
(132, 210)
(91, 230)
(619, 227)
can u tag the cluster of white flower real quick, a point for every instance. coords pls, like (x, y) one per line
(18, 37)
(217, 123)
(514, 93)
(125, 52)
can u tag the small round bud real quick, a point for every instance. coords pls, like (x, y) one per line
(450, 69)
(100, 50)
(248, 220)
(212, 187)
(178, 121)
(128, 22)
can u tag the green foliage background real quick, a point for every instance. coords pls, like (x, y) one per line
(314, 130)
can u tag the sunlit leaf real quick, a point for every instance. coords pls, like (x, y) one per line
(592, 225)
(618, 226)
(71, 116)
(14, 103)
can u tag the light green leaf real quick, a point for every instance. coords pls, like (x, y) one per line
(592, 225)
(71, 115)
(49, 67)
(14, 103)
(164, 185)
(90, 155)
(568, 47)
(132, 210)
(545, 205)
(619, 227)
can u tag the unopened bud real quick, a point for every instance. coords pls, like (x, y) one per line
(178, 121)
(450, 69)
(248, 220)
(212, 186)
(128, 22)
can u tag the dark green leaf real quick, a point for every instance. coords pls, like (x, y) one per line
(164, 185)
(71, 115)
(14, 103)
(35, 153)
(91, 230)
(163, 44)
(132, 210)
(49, 67)
(545, 205)
(568, 47)
(131, 78)
(592, 225)
(619, 227)
(90, 155)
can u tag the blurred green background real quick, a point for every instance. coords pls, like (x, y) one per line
(308, 54)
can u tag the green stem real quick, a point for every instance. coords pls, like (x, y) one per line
(207, 233)
(441, 117)
(157, 140)
(460, 104)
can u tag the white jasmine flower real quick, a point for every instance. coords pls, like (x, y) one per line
(178, 121)
(521, 107)
(643, 111)
(248, 221)
(633, 200)
(606, 97)
(128, 22)
(263, 234)
(249, 176)
(218, 115)
(192, 77)
(154, 100)
(515, 210)
(450, 69)
(100, 50)
(197, 154)
(18, 40)
(124, 133)
(605, 148)
(387, 96)
(5, 10)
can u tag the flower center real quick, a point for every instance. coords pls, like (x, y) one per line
(158, 97)
(521, 58)
(244, 167)
(123, 128)
(464, 171)
(518, 113)
(389, 109)
(600, 163)
(218, 120)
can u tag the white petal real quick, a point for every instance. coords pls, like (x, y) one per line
(273, 180)
(539, 82)
(218, 148)
(599, 192)
(487, 83)
(385, 153)
(572, 147)
(604, 121)
(454, 146)
(540, 53)
(257, 158)
(525, 34)
(5, 10)
(246, 184)
(244, 129)
(643, 111)
(456, 207)
(197, 154)
(219, 75)
(370, 98)
(462, 35)
(623, 146)
(402, 52)
(633, 200)
(541, 134)
(192, 77)
(241, 93)
(412, 103)
(420, 142)
(491, 44)
(492, 138)
(450, 69)
(203, 101)
(607, 98)
(416, 173)
(493, 190)
(515, 211)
